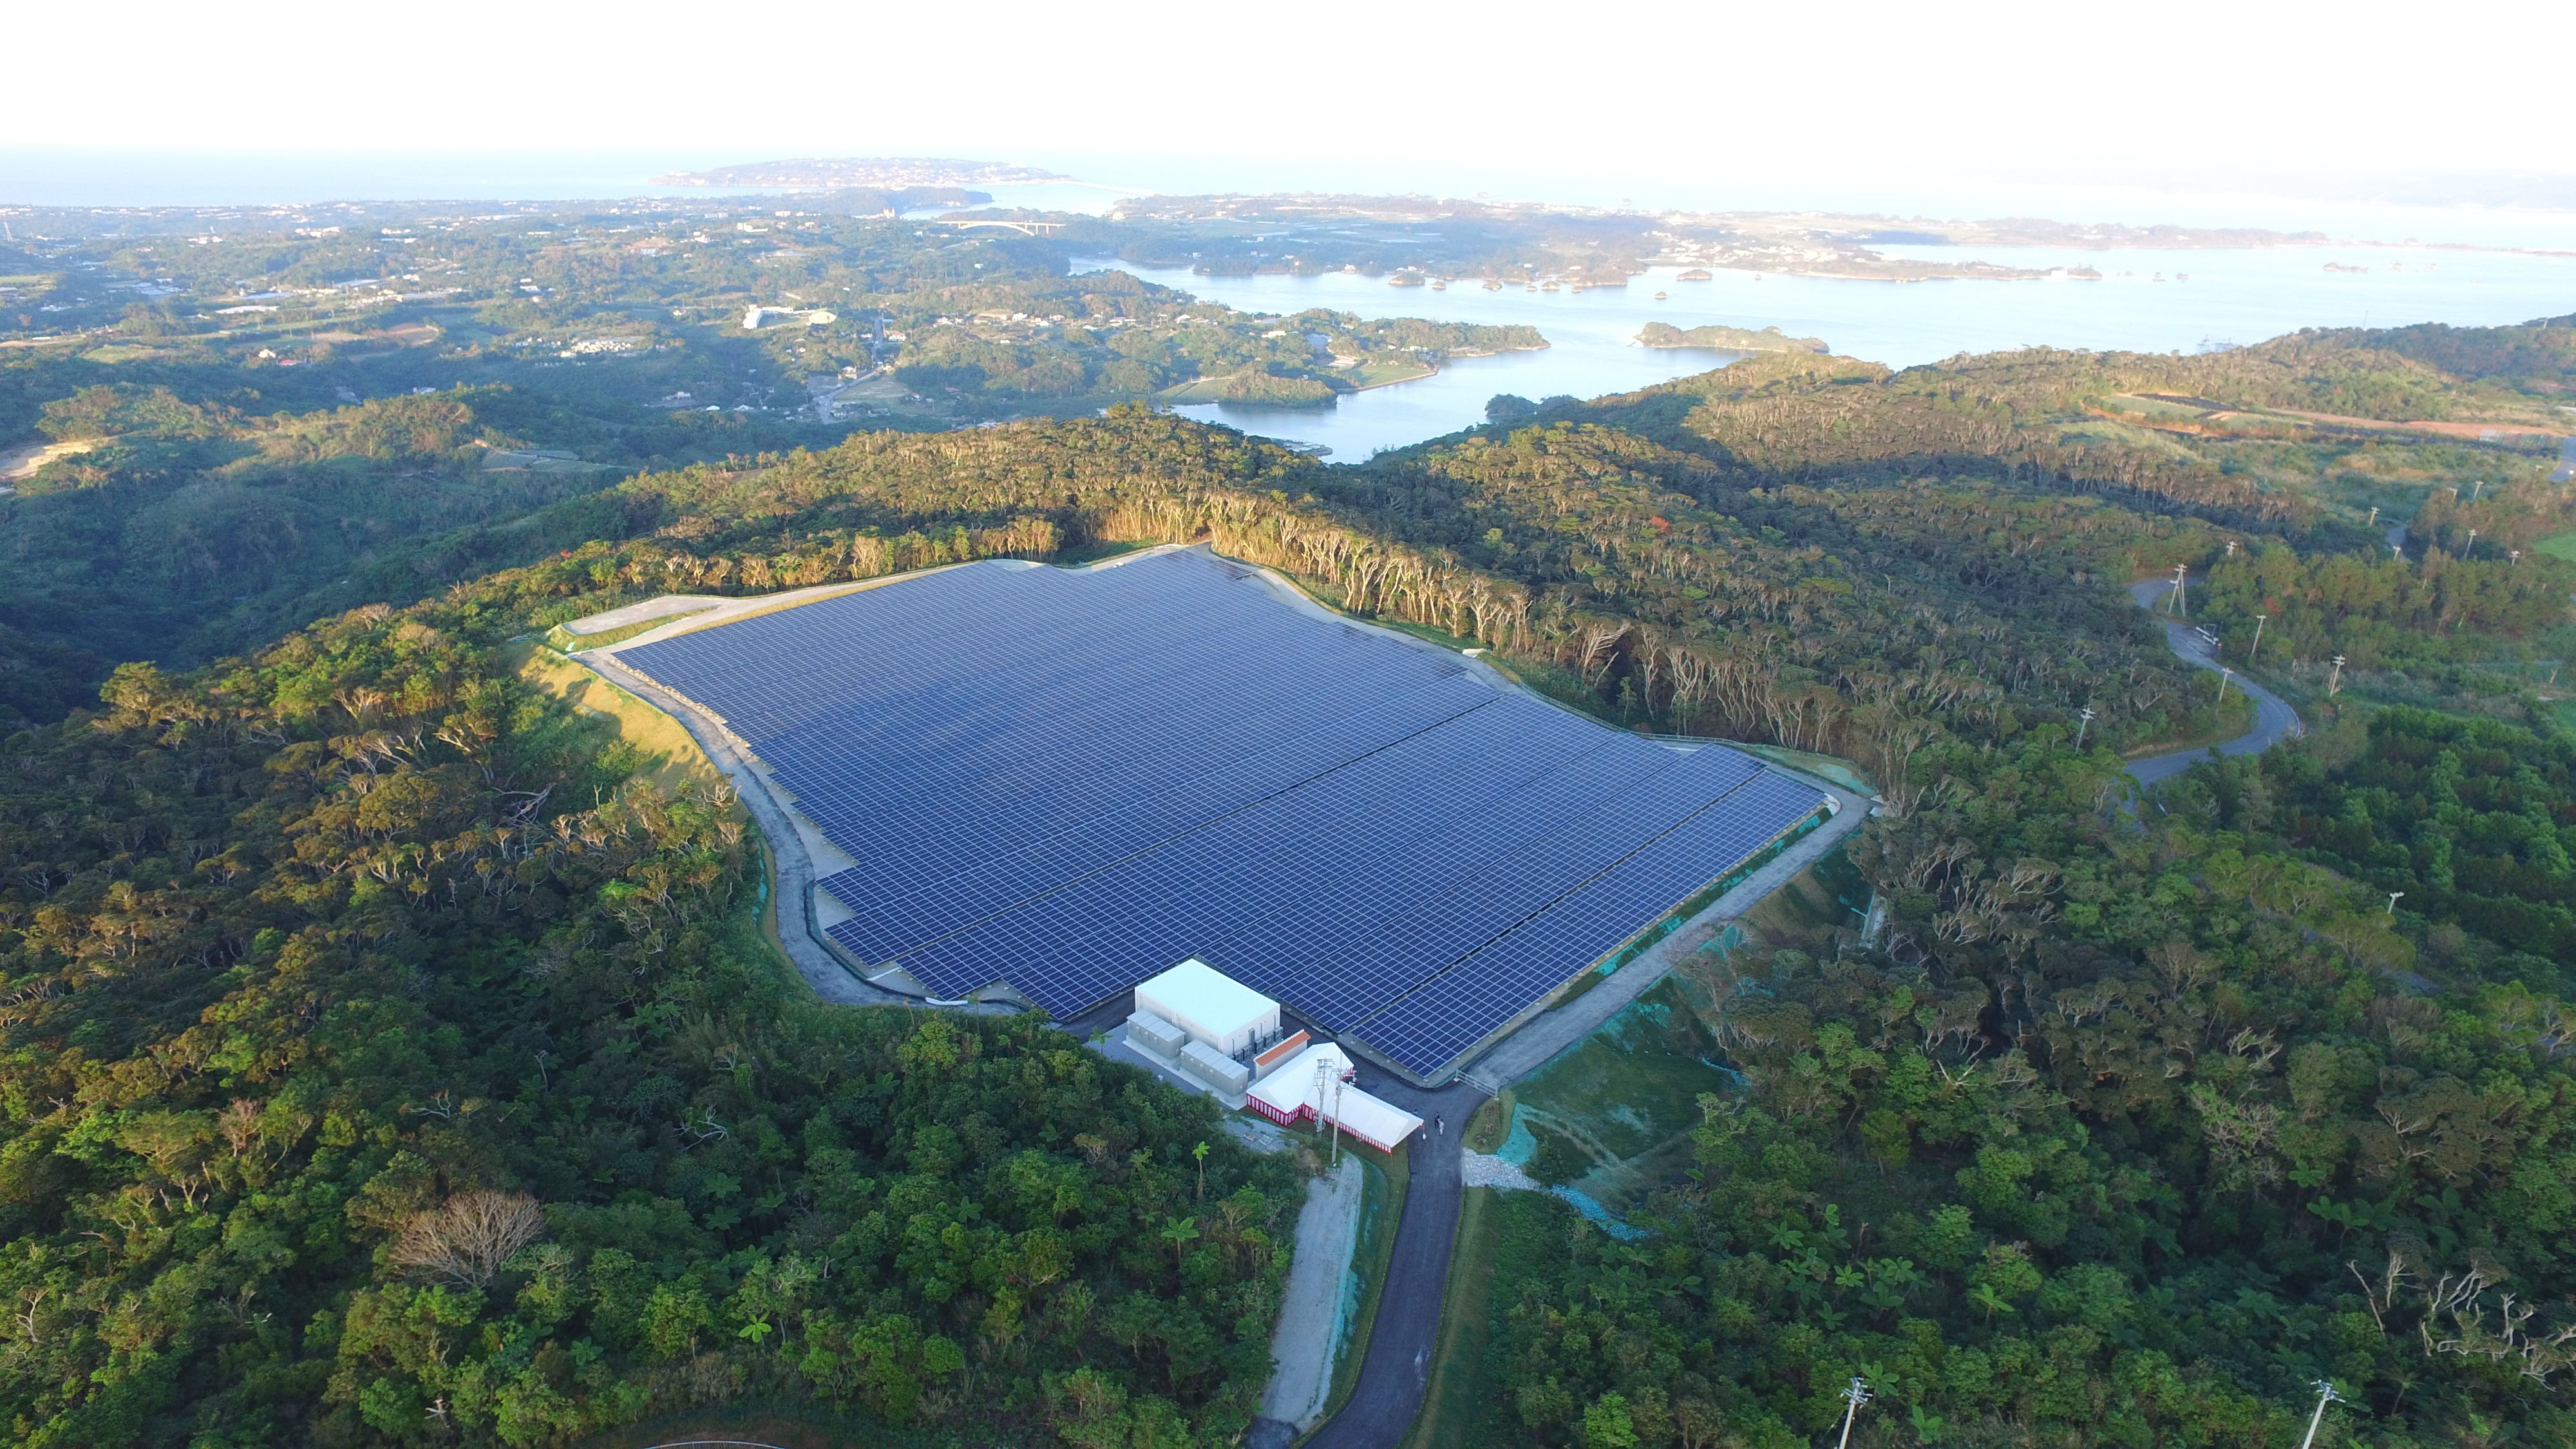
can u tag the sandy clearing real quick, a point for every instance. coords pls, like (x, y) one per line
(21, 463)
(1310, 1313)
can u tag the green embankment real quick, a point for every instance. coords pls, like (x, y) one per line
(655, 746)
(1627, 1096)
(1458, 1378)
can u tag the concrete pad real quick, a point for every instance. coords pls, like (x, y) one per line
(660, 607)
(1117, 1048)
(1260, 1134)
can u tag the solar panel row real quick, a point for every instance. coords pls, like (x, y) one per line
(1430, 1025)
(1068, 781)
(1553, 852)
(897, 909)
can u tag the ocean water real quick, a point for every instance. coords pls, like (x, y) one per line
(117, 179)
(2527, 268)
(2152, 301)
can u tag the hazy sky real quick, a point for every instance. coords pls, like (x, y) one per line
(1678, 94)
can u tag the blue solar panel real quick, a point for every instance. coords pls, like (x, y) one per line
(1459, 1008)
(1067, 781)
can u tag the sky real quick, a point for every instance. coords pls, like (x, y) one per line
(1693, 104)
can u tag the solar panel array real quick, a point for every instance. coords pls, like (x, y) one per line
(1068, 781)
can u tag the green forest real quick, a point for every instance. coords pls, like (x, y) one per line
(393, 1054)
(365, 1088)
(236, 424)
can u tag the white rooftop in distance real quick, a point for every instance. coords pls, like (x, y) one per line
(1210, 1006)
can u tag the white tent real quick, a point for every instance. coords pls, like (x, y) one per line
(1216, 1009)
(1315, 1083)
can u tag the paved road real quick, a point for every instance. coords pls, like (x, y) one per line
(1397, 1369)
(2273, 720)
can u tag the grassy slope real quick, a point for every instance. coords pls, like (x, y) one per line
(666, 754)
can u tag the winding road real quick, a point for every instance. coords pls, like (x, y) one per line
(2273, 720)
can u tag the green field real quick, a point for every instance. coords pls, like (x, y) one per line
(2559, 545)
(1381, 374)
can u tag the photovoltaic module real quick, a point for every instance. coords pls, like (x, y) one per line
(1068, 780)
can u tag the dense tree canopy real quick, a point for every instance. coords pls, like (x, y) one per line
(388, 1060)
(2124, 1143)
(388, 1055)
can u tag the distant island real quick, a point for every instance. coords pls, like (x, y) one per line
(1728, 339)
(877, 172)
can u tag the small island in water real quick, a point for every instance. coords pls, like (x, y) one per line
(1728, 339)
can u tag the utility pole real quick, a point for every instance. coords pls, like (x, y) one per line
(2472, 550)
(2393, 898)
(2223, 672)
(1336, 1120)
(2334, 685)
(1853, 1398)
(2259, 621)
(2374, 518)
(1322, 1069)
(2325, 1395)
(2516, 555)
(2177, 592)
(2084, 721)
(2474, 492)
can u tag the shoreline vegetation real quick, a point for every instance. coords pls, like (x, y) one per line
(1720, 338)
(1271, 390)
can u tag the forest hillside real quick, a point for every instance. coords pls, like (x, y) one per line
(389, 1054)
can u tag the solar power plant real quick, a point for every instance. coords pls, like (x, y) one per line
(1068, 780)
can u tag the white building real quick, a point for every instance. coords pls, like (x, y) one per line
(1316, 1084)
(1226, 1015)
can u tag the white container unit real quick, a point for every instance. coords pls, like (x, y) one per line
(1155, 1034)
